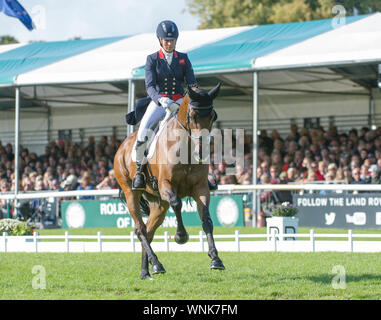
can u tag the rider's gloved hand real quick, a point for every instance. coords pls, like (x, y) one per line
(173, 107)
(165, 102)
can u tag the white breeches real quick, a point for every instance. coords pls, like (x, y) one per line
(151, 118)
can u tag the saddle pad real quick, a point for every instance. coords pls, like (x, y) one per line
(152, 146)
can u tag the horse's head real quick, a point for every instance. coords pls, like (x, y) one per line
(200, 113)
(196, 115)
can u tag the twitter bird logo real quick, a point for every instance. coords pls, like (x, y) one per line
(330, 218)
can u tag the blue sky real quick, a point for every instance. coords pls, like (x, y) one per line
(64, 19)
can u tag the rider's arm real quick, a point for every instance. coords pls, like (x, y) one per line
(189, 73)
(151, 79)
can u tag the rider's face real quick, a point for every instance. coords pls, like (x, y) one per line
(168, 45)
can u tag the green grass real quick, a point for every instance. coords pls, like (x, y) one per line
(247, 276)
(264, 275)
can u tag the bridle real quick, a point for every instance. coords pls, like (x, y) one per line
(189, 130)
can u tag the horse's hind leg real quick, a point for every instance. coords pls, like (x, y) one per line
(133, 204)
(155, 219)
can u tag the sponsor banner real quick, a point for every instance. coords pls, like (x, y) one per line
(348, 211)
(224, 211)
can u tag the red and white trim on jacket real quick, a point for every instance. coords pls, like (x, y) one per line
(162, 56)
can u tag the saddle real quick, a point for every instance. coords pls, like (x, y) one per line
(150, 150)
(151, 144)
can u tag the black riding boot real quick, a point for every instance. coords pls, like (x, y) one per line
(139, 181)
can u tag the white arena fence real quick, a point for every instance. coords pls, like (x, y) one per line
(224, 188)
(165, 243)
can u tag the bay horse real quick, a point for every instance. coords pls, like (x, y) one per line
(175, 179)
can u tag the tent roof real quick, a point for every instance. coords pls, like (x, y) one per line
(239, 51)
(356, 42)
(98, 60)
(36, 55)
(94, 72)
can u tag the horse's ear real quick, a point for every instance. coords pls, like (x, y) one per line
(214, 92)
(193, 94)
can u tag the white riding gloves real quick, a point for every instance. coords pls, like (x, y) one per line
(168, 104)
(165, 102)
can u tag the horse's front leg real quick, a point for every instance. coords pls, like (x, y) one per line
(175, 202)
(201, 195)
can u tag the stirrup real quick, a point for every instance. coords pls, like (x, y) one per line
(212, 186)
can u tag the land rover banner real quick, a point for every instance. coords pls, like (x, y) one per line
(334, 210)
(224, 211)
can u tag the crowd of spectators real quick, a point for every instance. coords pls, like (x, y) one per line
(63, 166)
(310, 156)
(303, 156)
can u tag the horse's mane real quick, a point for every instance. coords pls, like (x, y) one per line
(183, 110)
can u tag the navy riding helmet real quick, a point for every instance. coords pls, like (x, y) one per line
(167, 30)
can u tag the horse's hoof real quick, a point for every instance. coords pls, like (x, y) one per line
(181, 238)
(158, 268)
(146, 277)
(217, 264)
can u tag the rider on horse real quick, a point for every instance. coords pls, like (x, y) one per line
(166, 71)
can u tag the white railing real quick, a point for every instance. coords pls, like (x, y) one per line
(228, 187)
(236, 242)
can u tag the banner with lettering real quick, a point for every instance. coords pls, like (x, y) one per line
(333, 210)
(224, 211)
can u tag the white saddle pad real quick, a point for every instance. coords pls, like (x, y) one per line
(152, 145)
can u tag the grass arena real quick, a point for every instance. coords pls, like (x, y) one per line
(248, 276)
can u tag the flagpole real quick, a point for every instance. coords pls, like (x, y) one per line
(17, 143)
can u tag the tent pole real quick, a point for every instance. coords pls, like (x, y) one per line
(255, 146)
(17, 142)
(131, 102)
(371, 109)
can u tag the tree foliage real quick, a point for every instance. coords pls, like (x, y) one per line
(7, 39)
(232, 13)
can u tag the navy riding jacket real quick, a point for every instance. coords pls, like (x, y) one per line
(163, 79)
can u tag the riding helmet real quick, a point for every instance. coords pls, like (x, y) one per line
(167, 30)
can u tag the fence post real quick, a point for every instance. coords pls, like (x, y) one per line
(201, 235)
(35, 234)
(350, 240)
(100, 241)
(8, 209)
(5, 234)
(274, 239)
(166, 240)
(67, 241)
(312, 239)
(132, 234)
(237, 240)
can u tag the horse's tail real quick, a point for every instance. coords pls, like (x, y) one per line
(144, 205)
